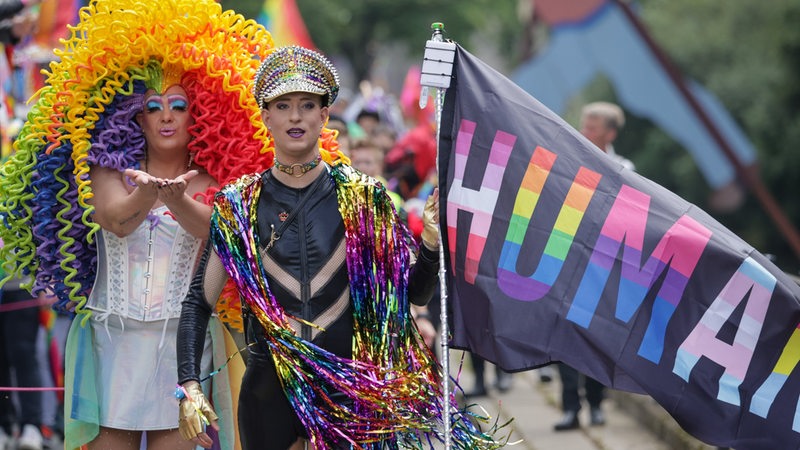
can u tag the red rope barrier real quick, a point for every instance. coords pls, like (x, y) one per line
(30, 389)
(32, 303)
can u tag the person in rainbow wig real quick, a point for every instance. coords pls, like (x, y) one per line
(326, 273)
(106, 202)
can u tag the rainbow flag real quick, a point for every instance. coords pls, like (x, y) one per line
(282, 18)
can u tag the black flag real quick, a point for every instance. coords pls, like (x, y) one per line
(555, 252)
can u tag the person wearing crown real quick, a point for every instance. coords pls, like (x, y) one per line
(326, 273)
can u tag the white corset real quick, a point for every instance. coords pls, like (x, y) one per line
(145, 275)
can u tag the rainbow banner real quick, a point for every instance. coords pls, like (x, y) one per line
(555, 252)
(283, 20)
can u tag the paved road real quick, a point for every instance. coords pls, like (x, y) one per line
(633, 422)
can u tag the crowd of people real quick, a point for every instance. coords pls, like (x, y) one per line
(184, 232)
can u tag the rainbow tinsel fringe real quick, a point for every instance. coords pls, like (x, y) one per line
(394, 380)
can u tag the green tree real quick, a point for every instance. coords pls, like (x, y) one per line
(356, 29)
(248, 8)
(748, 54)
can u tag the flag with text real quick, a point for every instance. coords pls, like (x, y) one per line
(555, 252)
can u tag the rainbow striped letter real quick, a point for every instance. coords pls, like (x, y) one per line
(751, 278)
(558, 244)
(677, 253)
(480, 203)
(765, 395)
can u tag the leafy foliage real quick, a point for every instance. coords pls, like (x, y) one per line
(356, 28)
(748, 54)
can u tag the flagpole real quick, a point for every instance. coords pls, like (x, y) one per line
(436, 72)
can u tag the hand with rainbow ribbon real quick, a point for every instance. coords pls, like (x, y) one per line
(195, 414)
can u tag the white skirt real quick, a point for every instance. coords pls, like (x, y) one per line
(137, 371)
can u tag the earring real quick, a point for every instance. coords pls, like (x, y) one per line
(191, 159)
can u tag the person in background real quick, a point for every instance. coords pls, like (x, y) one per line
(7, 418)
(367, 120)
(343, 138)
(503, 380)
(18, 19)
(600, 123)
(411, 163)
(383, 136)
(368, 157)
(20, 330)
(546, 373)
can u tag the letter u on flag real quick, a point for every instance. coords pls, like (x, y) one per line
(555, 252)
